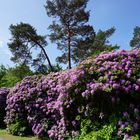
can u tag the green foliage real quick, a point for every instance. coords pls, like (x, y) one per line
(95, 131)
(10, 76)
(19, 128)
(136, 137)
(20, 71)
(3, 71)
(87, 126)
(9, 79)
(104, 134)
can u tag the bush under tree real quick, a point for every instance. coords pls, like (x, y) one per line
(81, 100)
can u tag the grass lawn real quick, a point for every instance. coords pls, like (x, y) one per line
(6, 136)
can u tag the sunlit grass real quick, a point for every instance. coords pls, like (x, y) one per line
(6, 136)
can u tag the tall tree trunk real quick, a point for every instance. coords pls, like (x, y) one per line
(69, 50)
(49, 62)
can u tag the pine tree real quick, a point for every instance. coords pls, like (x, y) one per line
(69, 27)
(96, 44)
(135, 42)
(24, 39)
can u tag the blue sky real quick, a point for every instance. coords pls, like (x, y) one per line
(122, 14)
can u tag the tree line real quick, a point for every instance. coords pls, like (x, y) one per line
(69, 30)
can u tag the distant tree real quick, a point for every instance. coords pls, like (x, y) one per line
(24, 39)
(69, 27)
(13, 75)
(21, 71)
(96, 44)
(3, 71)
(135, 42)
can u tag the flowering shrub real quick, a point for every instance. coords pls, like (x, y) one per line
(3, 95)
(129, 123)
(54, 105)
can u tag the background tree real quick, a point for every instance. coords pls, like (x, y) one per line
(24, 40)
(2, 71)
(135, 42)
(10, 76)
(69, 26)
(96, 44)
(21, 71)
(2, 74)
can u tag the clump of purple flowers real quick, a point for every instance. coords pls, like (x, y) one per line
(129, 124)
(50, 104)
(3, 95)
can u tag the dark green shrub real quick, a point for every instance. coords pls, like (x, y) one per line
(3, 95)
(19, 128)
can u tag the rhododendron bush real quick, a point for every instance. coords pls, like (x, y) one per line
(3, 95)
(54, 105)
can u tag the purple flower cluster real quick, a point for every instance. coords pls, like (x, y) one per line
(129, 123)
(3, 95)
(51, 104)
